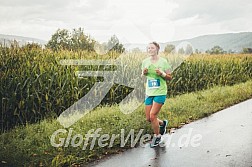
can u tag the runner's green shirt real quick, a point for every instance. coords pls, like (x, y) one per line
(155, 84)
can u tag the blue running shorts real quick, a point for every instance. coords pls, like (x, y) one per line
(158, 99)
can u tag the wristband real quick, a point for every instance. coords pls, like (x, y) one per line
(163, 74)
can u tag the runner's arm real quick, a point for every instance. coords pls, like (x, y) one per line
(167, 75)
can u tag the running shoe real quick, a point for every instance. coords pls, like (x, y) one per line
(155, 141)
(162, 128)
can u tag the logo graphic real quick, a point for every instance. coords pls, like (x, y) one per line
(87, 103)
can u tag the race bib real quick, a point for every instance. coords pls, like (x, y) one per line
(153, 83)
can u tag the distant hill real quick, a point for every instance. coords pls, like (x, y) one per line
(7, 39)
(229, 41)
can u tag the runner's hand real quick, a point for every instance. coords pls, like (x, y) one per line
(145, 71)
(159, 72)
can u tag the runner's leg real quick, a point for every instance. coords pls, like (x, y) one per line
(153, 117)
(147, 112)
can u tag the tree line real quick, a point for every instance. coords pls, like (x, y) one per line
(77, 40)
(170, 48)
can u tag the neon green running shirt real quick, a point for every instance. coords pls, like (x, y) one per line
(155, 84)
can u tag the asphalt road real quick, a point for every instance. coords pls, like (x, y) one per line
(220, 140)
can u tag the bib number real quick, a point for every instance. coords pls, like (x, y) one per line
(153, 83)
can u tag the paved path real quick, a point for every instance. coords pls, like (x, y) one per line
(226, 141)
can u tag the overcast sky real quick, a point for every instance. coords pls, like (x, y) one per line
(133, 21)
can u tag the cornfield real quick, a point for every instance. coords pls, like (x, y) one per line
(34, 85)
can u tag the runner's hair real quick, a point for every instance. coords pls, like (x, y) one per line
(157, 45)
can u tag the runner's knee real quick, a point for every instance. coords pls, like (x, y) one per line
(152, 117)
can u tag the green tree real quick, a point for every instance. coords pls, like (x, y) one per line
(197, 51)
(114, 45)
(64, 40)
(80, 41)
(181, 51)
(60, 40)
(247, 50)
(169, 48)
(189, 49)
(101, 48)
(216, 50)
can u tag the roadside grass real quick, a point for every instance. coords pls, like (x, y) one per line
(30, 145)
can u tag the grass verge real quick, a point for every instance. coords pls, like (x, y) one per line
(30, 145)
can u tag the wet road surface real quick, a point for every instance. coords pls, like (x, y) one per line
(222, 139)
